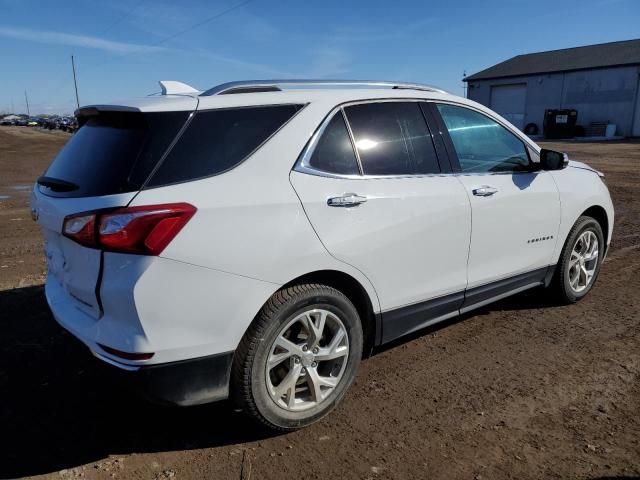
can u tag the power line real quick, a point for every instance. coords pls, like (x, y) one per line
(199, 24)
(162, 40)
(122, 18)
(176, 34)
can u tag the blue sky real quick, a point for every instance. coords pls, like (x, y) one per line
(123, 47)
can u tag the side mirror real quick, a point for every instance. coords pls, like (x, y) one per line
(552, 160)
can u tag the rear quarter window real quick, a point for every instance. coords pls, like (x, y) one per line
(216, 141)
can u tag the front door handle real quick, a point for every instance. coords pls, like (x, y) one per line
(484, 191)
(346, 200)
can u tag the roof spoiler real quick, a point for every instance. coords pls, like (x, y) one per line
(171, 87)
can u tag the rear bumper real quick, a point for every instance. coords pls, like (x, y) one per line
(183, 383)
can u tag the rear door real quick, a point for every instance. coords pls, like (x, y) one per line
(102, 166)
(515, 210)
(379, 200)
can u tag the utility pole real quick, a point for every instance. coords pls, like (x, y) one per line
(26, 99)
(75, 82)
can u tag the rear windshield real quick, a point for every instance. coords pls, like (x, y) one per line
(113, 152)
(218, 140)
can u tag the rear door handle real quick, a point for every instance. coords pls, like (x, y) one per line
(346, 200)
(484, 191)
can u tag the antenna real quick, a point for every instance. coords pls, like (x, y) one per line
(75, 82)
(26, 99)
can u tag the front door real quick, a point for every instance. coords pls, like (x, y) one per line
(515, 211)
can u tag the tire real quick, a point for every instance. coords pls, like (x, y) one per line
(531, 129)
(562, 285)
(258, 386)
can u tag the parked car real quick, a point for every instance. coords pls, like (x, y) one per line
(68, 124)
(255, 241)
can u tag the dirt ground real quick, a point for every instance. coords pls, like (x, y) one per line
(521, 389)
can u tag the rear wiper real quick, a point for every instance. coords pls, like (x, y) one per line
(57, 185)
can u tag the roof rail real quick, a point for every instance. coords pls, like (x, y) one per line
(251, 86)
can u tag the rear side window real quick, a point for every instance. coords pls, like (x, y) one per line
(114, 152)
(392, 138)
(217, 140)
(334, 151)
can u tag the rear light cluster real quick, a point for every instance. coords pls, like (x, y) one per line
(145, 230)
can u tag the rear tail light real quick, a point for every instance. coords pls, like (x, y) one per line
(145, 230)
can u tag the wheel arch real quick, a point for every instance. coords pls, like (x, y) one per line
(598, 213)
(357, 293)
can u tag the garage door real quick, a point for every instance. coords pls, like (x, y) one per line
(509, 101)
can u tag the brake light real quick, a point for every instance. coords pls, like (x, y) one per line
(81, 228)
(144, 230)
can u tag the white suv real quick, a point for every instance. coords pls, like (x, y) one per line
(255, 240)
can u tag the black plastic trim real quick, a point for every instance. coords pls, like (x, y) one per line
(483, 293)
(187, 382)
(403, 320)
(438, 138)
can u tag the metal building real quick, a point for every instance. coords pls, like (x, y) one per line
(601, 82)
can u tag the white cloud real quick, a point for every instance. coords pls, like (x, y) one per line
(329, 61)
(250, 66)
(84, 41)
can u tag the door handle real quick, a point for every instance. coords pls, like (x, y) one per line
(346, 200)
(484, 191)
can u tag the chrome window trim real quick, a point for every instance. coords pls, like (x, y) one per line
(302, 163)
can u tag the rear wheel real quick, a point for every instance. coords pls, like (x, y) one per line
(580, 260)
(299, 356)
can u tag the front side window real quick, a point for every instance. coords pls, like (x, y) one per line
(334, 152)
(218, 140)
(482, 144)
(392, 138)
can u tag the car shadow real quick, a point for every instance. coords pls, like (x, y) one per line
(60, 409)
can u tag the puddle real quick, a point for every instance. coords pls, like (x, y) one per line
(4, 197)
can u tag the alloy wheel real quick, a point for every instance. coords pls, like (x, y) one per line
(307, 360)
(583, 261)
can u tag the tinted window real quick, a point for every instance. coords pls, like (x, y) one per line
(483, 145)
(114, 152)
(218, 140)
(334, 152)
(392, 138)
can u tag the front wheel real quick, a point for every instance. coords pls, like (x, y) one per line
(580, 260)
(299, 356)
